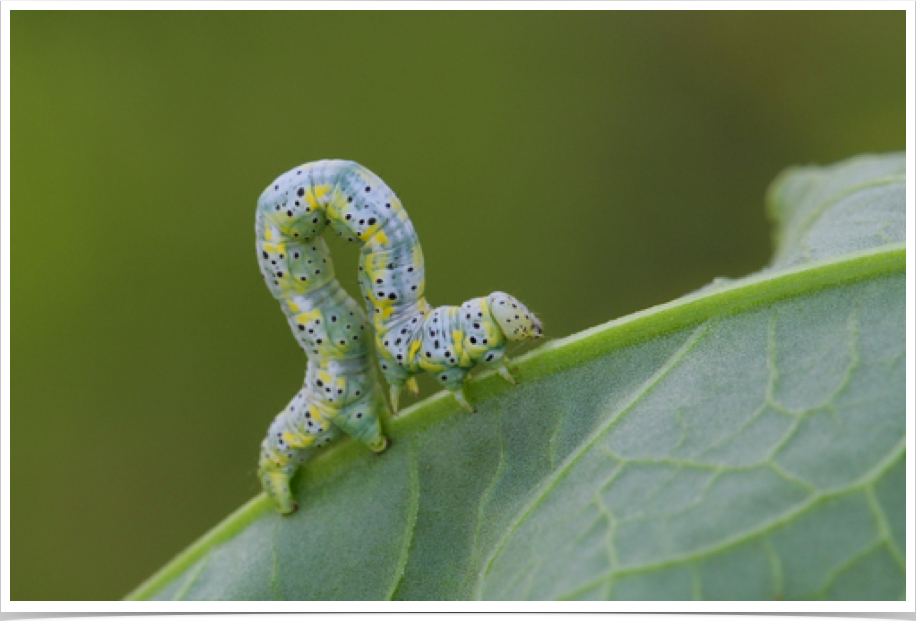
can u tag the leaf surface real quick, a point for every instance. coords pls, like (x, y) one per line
(743, 442)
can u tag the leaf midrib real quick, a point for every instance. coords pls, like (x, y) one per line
(561, 354)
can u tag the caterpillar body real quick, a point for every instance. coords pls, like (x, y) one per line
(341, 393)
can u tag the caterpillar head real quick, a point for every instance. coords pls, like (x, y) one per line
(513, 318)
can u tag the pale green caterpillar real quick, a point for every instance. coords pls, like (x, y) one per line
(341, 392)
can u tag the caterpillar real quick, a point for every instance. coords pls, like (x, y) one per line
(341, 392)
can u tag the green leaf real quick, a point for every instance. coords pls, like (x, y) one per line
(743, 442)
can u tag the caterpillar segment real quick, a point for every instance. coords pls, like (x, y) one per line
(341, 391)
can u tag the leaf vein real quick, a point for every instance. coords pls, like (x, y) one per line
(549, 483)
(411, 522)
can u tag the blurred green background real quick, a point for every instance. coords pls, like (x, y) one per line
(593, 164)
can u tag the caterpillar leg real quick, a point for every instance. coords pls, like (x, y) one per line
(276, 484)
(462, 400)
(378, 445)
(360, 421)
(503, 370)
(277, 468)
(395, 391)
(453, 380)
(497, 359)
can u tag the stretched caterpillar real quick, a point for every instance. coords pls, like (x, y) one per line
(341, 392)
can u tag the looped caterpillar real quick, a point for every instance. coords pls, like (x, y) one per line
(341, 392)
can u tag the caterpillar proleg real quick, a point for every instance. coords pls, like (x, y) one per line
(341, 392)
